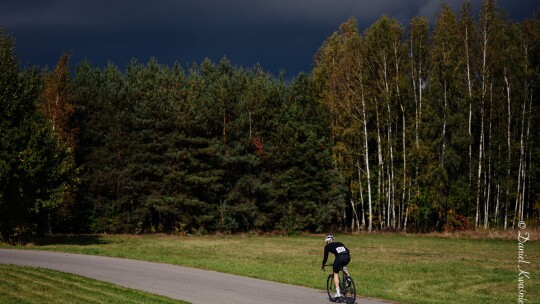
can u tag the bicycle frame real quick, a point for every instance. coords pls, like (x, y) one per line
(346, 285)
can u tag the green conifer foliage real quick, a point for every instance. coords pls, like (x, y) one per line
(35, 168)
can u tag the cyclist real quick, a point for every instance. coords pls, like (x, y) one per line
(342, 259)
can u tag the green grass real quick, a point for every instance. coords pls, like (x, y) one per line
(20, 284)
(406, 268)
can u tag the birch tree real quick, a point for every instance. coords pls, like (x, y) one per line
(383, 59)
(468, 35)
(419, 66)
(486, 30)
(339, 69)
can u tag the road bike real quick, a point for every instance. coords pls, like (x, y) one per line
(346, 287)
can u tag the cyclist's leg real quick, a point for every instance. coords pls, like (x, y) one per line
(336, 281)
(346, 261)
(338, 264)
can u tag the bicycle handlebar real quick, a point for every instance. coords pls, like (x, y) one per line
(327, 265)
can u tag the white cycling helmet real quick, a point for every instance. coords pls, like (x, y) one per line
(329, 238)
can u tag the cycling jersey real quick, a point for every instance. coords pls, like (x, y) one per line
(336, 248)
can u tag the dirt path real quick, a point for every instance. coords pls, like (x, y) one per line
(177, 282)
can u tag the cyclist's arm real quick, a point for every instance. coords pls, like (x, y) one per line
(326, 251)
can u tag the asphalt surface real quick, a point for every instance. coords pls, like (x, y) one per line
(177, 282)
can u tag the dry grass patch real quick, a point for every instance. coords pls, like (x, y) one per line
(488, 234)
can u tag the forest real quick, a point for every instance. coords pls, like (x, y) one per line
(429, 126)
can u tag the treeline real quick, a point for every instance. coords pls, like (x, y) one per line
(397, 128)
(158, 149)
(215, 149)
(436, 128)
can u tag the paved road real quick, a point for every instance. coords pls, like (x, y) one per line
(177, 282)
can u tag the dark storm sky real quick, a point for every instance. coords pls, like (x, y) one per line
(278, 34)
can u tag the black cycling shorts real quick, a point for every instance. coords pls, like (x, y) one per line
(340, 261)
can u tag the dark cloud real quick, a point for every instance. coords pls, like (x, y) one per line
(277, 34)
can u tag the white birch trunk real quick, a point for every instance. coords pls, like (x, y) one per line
(366, 160)
(527, 141)
(380, 171)
(469, 86)
(407, 209)
(508, 143)
(519, 200)
(480, 156)
(483, 96)
(480, 160)
(398, 94)
(497, 203)
(488, 175)
(391, 191)
(487, 196)
(360, 185)
(404, 167)
(417, 90)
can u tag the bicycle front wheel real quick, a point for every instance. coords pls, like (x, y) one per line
(331, 288)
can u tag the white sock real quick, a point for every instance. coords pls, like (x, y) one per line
(337, 290)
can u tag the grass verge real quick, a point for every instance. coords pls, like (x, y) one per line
(19, 284)
(406, 268)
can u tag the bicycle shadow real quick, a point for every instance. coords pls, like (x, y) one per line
(347, 300)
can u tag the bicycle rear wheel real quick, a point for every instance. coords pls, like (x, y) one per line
(331, 288)
(350, 291)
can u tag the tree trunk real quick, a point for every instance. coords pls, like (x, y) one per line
(527, 140)
(354, 221)
(519, 201)
(484, 75)
(366, 161)
(444, 126)
(497, 203)
(469, 86)
(360, 185)
(390, 196)
(480, 159)
(49, 229)
(404, 167)
(487, 184)
(380, 170)
(407, 209)
(508, 142)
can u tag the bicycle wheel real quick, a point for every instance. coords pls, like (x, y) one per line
(350, 291)
(331, 288)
